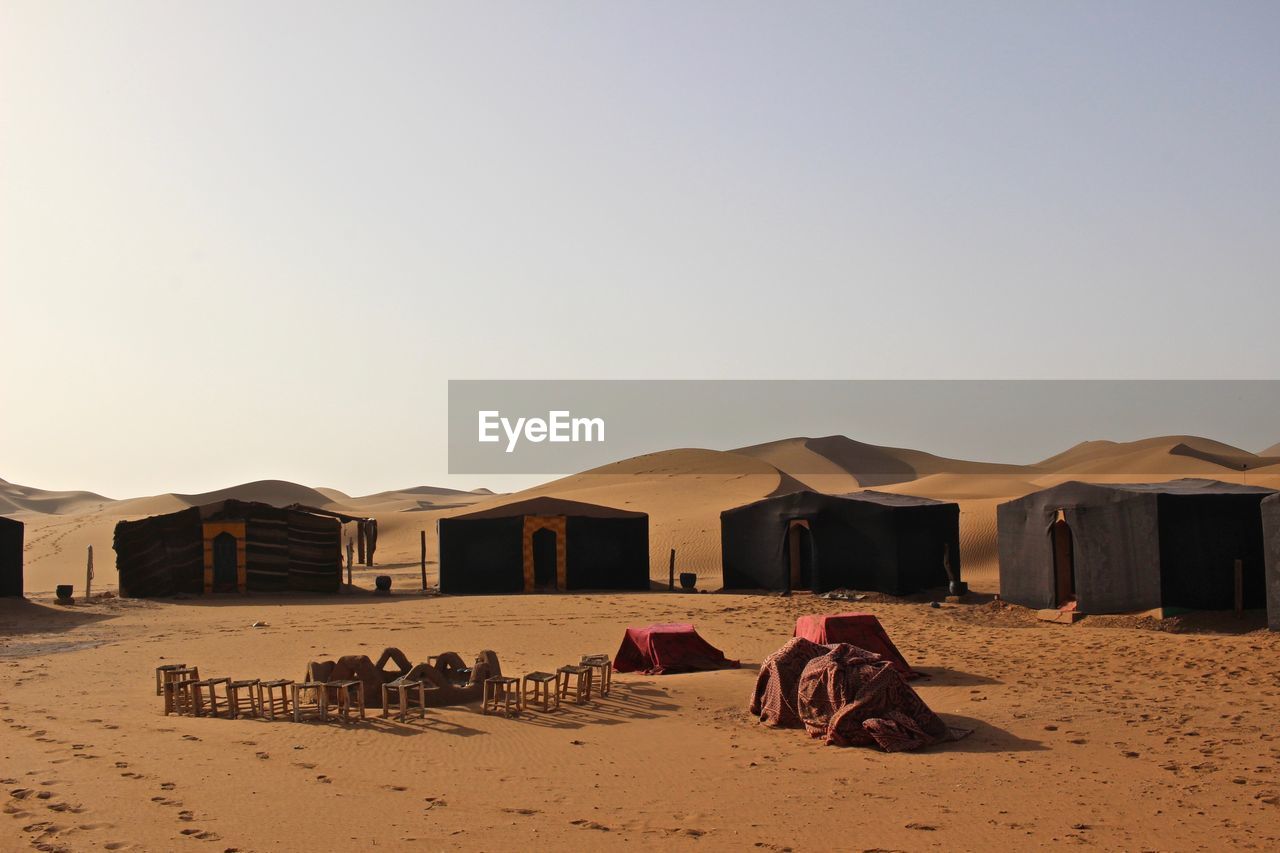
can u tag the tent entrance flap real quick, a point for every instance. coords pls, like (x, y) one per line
(538, 575)
(224, 562)
(1064, 563)
(800, 551)
(544, 559)
(225, 567)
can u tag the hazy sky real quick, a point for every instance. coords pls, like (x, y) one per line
(242, 240)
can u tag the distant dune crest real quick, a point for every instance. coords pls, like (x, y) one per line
(833, 463)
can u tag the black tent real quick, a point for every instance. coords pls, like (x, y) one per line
(11, 532)
(1118, 548)
(896, 544)
(231, 546)
(1271, 540)
(544, 544)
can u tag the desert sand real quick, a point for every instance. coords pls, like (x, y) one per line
(1116, 732)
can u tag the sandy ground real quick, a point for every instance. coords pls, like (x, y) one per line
(1106, 733)
(1106, 736)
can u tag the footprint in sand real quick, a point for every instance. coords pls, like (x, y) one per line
(201, 834)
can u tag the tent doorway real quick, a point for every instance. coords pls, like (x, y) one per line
(544, 560)
(800, 547)
(226, 573)
(1064, 563)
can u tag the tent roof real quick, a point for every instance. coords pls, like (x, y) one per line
(232, 506)
(887, 499)
(891, 499)
(550, 506)
(13, 521)
(1187, 486)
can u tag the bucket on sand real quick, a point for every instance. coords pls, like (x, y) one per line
(65, 591)
(688, 580)
(382, 583)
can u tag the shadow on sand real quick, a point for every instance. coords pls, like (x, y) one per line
(22, 616)
(986, 737)
(625, 702)
(942, 677)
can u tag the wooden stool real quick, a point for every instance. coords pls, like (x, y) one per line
(504, 689)
(581, 676)
(545, 693)
(319, 704)
(161, 670)
(182, 696)
(170, 676)
(347, 692)
(247, 692)
(211, 685)
(404, 692)
(603, 671)
(268, 701)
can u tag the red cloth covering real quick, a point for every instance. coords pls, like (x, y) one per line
(662, 649)
(774, 700)
(857, 629)
(851, 697)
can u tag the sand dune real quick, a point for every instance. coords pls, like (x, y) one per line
(683, 490)
(15, 499)
(1161, 457)
(835, 463)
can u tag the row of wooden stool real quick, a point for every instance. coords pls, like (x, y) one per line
(544, 690)
(187, 694)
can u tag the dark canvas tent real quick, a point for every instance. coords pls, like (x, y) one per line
(896, 544)
(1116, 548)
(544, 544)
(231, 546)
(1271, 541)
(11, 532)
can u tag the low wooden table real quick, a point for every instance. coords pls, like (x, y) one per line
(545, 693)
(268, 701)
(319, 704)
(350, 693)
(504, 689)
(403, 689)
(581, 677)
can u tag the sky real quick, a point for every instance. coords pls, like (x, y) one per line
(248, 240)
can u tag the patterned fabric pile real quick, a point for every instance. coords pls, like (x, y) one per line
(774, 701)
(846, 695)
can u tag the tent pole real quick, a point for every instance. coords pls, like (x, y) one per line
(423, 538)
(671, 572)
